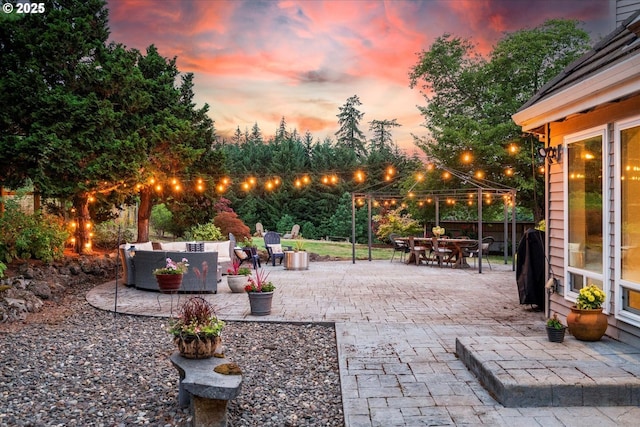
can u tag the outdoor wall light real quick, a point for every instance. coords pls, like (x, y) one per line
(551, 153)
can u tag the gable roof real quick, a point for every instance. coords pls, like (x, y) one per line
(609, 71)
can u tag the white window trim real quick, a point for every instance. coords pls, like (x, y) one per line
(604, 277)
(620, 313)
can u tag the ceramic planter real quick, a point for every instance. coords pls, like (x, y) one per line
(237, 283)
(260, 303)
(587, 325)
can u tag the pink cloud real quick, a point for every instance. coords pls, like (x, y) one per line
(259, 61)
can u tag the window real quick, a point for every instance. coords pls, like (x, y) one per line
(628, 220)
(584, 210)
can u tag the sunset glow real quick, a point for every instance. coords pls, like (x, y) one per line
(256, 62)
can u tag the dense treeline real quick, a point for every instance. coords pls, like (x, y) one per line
(318, 207)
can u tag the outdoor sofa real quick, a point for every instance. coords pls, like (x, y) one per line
(207, 262)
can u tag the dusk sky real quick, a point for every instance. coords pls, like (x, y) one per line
(257, 61)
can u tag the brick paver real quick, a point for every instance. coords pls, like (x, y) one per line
(396, 330)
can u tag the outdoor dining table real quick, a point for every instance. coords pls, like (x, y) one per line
(456, 246)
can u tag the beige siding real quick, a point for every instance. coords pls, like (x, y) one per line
(607, 114)
(624, 9)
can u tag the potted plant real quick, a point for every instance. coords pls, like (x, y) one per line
(298, 259)
(248, 243)
(555, 329)
(197, 330)
(437, 231)
(586, 322)
(260, 292)
(237, 277)
(169, 277)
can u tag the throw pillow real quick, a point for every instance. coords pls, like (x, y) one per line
(276, 248)
(241, 254)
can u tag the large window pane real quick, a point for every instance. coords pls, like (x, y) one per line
(585, 204)
(630, 203)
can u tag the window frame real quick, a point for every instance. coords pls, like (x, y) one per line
(603, 277)
(620, 284)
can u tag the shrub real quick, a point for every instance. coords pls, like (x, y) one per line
(228, 222)
(3, 267)
(39, 235)
(395, 222)
(309, 231)
(204, 232)
(161, 218)
(106, 235)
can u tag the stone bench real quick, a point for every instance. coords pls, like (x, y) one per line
(206, 391)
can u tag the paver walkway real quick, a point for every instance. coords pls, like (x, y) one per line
(396, 330)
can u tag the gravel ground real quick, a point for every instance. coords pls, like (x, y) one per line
(78, 366)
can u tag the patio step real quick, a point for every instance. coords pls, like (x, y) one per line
(533, 372)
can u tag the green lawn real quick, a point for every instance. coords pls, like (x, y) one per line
(334, 249)
(343, 250)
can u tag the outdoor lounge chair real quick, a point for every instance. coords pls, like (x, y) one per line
(259, 230)
(295, 230)
(273, 246)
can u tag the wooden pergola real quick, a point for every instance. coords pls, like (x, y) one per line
(473, 188)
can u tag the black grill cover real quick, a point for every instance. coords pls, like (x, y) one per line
(530, 268)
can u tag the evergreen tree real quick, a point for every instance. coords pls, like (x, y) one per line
(349, 135)
(381, 139)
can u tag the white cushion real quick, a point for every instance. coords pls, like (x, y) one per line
(146, 246)
(174, 246)
(220, 247)
(276, 248)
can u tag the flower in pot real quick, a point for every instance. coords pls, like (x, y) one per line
(590, 298)
(555, 329)
(586, 322)
(260, 292)
(438, 231)
(197, 330)
(237, 277)
(169, 277)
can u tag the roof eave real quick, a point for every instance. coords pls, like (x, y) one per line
(609, 85)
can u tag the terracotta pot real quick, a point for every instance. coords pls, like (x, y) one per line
(587, 325)
(260, 303)
(194, 347)
(169, 283)
(237, 283)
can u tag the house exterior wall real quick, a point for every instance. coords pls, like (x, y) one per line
(622, 10)
(557, 131)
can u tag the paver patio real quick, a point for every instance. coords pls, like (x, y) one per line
(396, 329)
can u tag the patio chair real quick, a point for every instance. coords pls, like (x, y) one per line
(295, 230)
(474, 252)
(398, 246)
(418, 252)
(259, 230)
(273, 246)
(439, 253)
